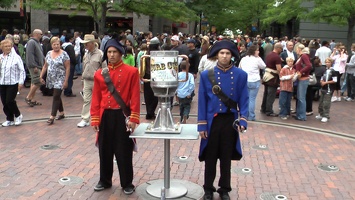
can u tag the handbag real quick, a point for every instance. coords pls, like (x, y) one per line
(312, 79)
(270, 78)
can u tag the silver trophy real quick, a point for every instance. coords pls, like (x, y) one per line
(164, 81)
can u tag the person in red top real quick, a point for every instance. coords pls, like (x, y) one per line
(286, 88)
(303, 67)
(108, 119)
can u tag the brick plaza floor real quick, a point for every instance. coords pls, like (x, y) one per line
(289, 164)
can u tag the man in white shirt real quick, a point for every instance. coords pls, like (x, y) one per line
(288, 53)
(78, 66)
(284, 43)
(323, 52)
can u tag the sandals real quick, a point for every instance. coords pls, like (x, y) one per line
(28, 101)
(36, 103)
(60, 117)
(50, 121)
(32, 103)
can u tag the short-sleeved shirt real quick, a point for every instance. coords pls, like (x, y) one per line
(272, 59)
(323, 53)
(329, 74)
(56, 70)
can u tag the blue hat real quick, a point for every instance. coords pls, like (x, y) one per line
(224, 44)
(191, 41)
(113, 43)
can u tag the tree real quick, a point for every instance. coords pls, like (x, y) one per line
(339, 12)
(98, 9)
(6, 3)
(336, 12)
(281, 11)
(284, 12)
(232, 14)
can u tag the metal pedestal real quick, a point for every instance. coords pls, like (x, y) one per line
(164, 122)
(167, 190)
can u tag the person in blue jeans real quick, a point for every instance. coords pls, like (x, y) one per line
(286, 88)
(251, 63)
(303, 68)
(185, 91)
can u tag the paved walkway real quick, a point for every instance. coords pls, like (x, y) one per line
(289, 158)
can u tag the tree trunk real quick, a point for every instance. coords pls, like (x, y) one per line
(349, 37)
(102, 22)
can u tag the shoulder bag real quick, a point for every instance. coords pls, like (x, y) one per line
(312, 79)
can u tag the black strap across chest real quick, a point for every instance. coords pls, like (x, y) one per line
(113, 91)
(217, 90)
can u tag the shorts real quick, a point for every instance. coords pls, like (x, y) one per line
(35, 77)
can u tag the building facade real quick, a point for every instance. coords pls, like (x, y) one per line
(58, 20)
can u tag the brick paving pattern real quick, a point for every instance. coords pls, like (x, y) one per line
(288, 166)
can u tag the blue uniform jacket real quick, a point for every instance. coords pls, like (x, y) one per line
(233, 83)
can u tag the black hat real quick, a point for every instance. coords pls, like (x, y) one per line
(224, 44)
(113, 43)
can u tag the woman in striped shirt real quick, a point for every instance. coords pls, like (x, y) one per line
(12, 76)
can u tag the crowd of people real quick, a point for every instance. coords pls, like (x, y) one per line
(238, 65)
(292, 65)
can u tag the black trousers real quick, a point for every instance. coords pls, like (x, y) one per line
(311, 91)
(8, 95)
(114, 141)
(350, 81)
(68, 91)
(221, 143)
(151, 101)
(185, 107)
(57, 104)
(268, 99)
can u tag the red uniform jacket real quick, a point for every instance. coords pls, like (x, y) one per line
(125, 78)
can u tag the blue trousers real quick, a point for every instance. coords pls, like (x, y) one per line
(301, 99)
(253, 89)
(285, 103)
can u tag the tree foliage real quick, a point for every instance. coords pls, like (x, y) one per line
(336, 12)
(6, 3)
(99, 9)
(281, 11)
(339, 12)
(231, 14)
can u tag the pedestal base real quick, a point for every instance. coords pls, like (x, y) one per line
(176, 190)
(194, 191)
(151, 130)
